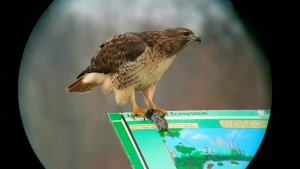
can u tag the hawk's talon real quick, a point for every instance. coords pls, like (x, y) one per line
(163, 111)
(132, 116)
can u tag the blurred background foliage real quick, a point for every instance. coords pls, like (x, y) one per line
(227, 71)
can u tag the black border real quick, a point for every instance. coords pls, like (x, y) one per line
(267, 21)
(18, 18)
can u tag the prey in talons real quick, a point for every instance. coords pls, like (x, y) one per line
(159, 120)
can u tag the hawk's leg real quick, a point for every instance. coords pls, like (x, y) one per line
(157, 109)
(148, 93)
(136, 111)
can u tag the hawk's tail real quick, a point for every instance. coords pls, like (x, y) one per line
(86, 82)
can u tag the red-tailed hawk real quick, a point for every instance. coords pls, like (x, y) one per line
(133, 61)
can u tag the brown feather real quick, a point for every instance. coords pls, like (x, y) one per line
(116, 52)
(79, 86)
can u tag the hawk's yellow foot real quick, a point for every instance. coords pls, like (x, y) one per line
(139, 112)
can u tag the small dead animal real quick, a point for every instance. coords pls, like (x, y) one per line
(159, 119)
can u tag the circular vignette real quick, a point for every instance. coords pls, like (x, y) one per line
(65, 130)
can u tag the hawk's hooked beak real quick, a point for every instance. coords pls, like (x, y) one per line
(195, 37)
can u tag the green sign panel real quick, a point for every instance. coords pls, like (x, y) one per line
(208, 139)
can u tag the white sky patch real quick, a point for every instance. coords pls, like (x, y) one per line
(199, 136)
(185, 133)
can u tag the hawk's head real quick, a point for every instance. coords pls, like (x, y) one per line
(182, 35)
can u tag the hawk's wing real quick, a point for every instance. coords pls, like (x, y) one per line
(116, 52)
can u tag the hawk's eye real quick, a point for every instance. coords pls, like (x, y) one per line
(186, 33)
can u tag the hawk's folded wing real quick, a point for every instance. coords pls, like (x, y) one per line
(115, 52)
